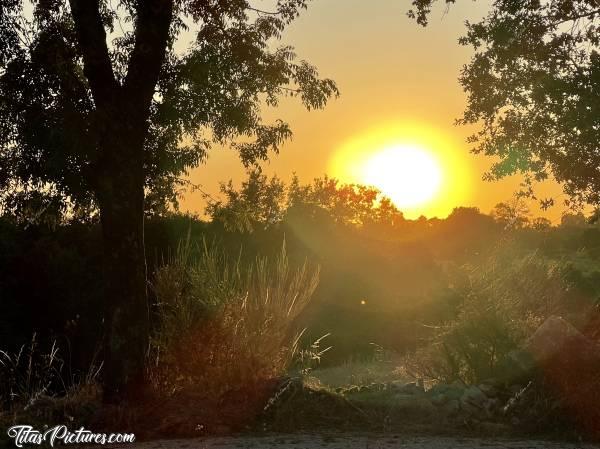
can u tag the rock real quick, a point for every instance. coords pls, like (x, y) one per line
(489, 390)
(410, 388)
(439, 399)
(353, 389)
(474, 396)
(395, 385)
(518, 363)
(451, 407)
(548, 340)
(469, 409)
(491, 406)
(452, 391)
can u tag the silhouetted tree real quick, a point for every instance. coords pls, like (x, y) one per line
(258, 202)
(511, 214)
(264, 202)
(534, 86)
(99, 112)
(573, 220)
(541, 224)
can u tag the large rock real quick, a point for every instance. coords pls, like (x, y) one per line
(451, 407)
(473, 402)
(552, 336)
(408, 388)
(448, 391)
(553, 340)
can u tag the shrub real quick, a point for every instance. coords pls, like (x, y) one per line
(225, 326)
(499, 303)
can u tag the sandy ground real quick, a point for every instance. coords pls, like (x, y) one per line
(302, 441)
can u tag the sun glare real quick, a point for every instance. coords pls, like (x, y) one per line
(410, 176)
(421, 170)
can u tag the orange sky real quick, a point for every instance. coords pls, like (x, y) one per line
(391, 72)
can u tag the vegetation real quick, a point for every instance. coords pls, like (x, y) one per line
(226, 326)
(498, 304)
(361, 317)
(532, 85)
(100, 115)
(399, 300)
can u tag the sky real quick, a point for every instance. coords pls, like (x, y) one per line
(398, 81)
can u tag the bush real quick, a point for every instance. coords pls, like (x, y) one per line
(225, 326)
(499, 303)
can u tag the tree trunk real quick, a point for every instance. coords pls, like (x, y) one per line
(126, 316)
(121, 124)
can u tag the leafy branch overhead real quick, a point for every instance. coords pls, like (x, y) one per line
(533, 85)
(210, 89)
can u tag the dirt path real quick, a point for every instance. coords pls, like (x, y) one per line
(305, 441)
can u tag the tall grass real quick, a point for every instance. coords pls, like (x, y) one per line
(224, 325)
(28, 374)
(35, 389)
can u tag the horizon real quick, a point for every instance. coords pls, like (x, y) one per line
(403, 84)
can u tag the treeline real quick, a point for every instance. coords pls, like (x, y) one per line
(384, 278)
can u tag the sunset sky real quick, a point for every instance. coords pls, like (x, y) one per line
(399, 88)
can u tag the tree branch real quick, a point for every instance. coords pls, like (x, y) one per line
(92, 41)
(153, 21)
(584, 15)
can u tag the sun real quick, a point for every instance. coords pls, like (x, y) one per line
(423, 170)
(407, 174)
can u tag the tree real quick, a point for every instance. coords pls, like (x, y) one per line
(266, 202)
(100, 113)
(534, 86)
(258, 202)
(512, 214)
(541, 224)
(573, 221)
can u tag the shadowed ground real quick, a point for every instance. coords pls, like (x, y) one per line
(371, 441)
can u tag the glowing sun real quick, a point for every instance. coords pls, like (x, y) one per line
(422, 169)
(409, 175)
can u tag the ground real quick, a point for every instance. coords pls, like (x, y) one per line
(344, 441)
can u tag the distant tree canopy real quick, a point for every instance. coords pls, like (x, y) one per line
(264, 202)
(534, 85)
(261, 202)
(512, 214)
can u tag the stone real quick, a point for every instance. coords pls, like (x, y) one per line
(353, 389)
(411, 388)
(451, 391)
(548, 340)
(473, 396)
(489, 390)
(439, 399)
(491, 406)
(451, 407)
